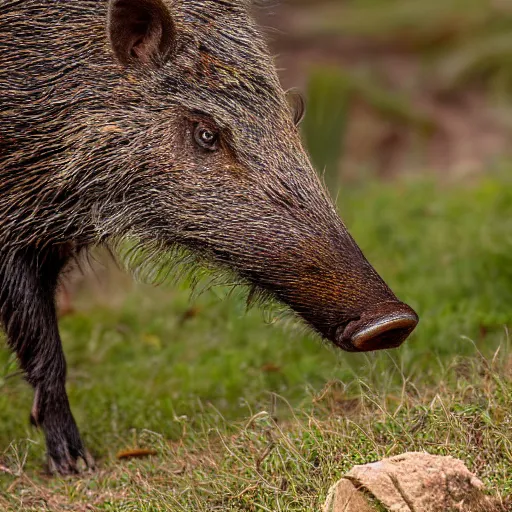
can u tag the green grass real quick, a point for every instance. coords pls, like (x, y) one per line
(250, 412)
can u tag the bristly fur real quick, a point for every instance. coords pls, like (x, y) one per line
(93, 151)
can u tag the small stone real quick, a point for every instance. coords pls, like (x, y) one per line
(413, 482)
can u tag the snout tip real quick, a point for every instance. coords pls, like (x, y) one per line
(386, 327)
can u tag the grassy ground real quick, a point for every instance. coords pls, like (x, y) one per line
(245, 411)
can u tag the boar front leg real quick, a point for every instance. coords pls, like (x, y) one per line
(28, 281)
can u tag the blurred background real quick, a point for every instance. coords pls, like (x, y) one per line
(399, 86)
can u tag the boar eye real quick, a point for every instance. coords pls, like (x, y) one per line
(206, 137)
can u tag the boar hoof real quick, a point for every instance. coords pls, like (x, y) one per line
(68, 465)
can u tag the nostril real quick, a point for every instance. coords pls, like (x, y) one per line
(385, 335)
(387, 326)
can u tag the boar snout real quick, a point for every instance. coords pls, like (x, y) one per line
(385, 326)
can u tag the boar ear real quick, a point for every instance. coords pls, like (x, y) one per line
(297, 105)
(140, 31)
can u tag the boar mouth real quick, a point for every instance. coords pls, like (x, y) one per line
(386, 326)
